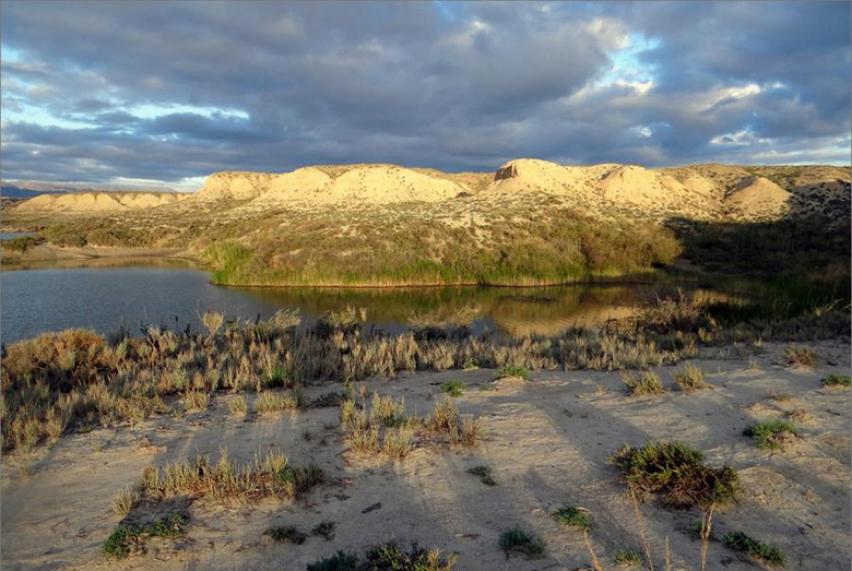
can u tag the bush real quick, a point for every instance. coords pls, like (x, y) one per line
(837, 381)
(648, 383)
(452, 388)
(126, 539)
(800, 356)
(771, 434)
(573, 516)
(516, 541)
(484, 475)
(626, 557)
(690, 378)
(767, 553)
(677, 475)
(513, 372)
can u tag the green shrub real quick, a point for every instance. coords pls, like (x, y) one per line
(771, 434)
(452, 388)
(340, 561)
(834, 380)
(767, 553)
(676, 474)
(127, 538)
(513, 371)
(516, 541)
(573, 517)
(626, 557)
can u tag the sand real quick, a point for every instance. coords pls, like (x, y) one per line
(99, 202)
(547, 441)
(697, 192)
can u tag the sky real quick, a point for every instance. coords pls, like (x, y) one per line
(164, 93)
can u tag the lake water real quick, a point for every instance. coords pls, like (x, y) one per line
(104, 298)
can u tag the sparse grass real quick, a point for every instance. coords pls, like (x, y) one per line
(398, 441)
(515, 541)
(484, 475)
(646, 383)
(125, 500)
(835, 380)
(626, 557)
(800, 356)
(386, 557)
(286, 534)
(271, 402)
(66, 381)
(513, 372)
(771, 434)
(453, 388)
(386, 411)
(129, 538)
(238, 406)
(677, 475)
(763, 552)
(228, 481)
(690, 378)
(572, 516)
(195, 401)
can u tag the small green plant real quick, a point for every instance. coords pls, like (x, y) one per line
(837, 381)
(484, 475)
(516, 541)
(195, 401)
(386, 557)
(286, 534)
(340, 561)
(690, 378)
(767, 553)
(513, 371)
(127, 538)
(572, 516)
(647, 383)
(677, 475)
(800, 356)
(453, 388)
(626, 557)
(771, 434)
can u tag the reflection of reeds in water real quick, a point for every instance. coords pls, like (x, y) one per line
(445, 317)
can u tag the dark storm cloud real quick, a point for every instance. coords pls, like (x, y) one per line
(165, 91)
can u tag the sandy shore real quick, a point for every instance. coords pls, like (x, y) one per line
(547, 441)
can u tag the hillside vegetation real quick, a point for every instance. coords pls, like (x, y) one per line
(531, 222)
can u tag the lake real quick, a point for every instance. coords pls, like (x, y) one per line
(105, 298)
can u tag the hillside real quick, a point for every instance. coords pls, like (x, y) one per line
(529, 222)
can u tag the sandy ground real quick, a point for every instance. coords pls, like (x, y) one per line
(547, 441)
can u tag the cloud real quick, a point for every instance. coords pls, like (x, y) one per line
(99, 91)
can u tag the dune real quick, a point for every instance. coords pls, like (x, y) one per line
(98, 202)
(758, 198)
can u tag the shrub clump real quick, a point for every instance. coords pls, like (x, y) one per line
(453, 388)
(772, 434)
(648, 383)
(837, 381)
(516, 541)
(572, 516)
(286, 534)
(800, 356)
(676, 474)
(484, 475)
(513, 371)
(690, 378)
(767, 553)
(130, 538)
(626, 557)
(386, 557)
